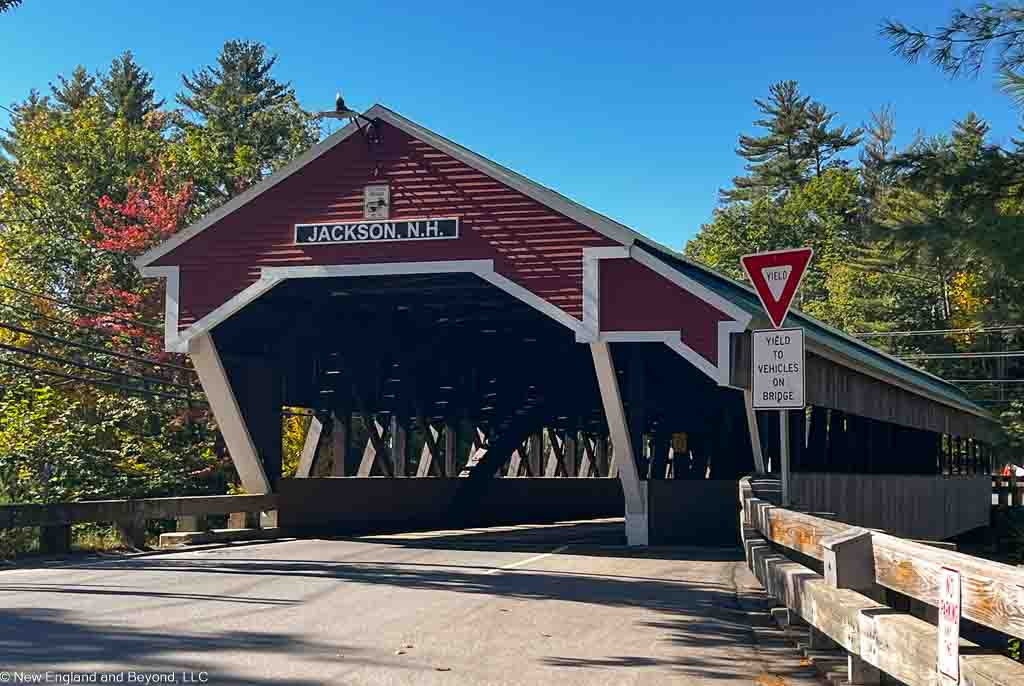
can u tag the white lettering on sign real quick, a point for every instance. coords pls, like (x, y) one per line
(777, 278)
(949, 624)
(777, 380)
(368, 232)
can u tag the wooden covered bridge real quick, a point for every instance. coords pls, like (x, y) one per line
(446, 317)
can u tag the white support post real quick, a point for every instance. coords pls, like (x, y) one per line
(784, 455)
(755, 433)
(217, 387)
(633, 489)
(309, 449)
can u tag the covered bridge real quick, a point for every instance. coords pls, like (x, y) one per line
(447, 317)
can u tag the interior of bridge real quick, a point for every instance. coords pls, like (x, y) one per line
(450, 350)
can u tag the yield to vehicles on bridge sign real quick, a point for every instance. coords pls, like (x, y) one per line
(777, 379)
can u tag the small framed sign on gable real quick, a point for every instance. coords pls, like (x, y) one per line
(376, 201)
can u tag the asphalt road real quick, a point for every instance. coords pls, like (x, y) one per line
(563, 604)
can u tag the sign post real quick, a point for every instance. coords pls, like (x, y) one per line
(777, 354)
(949, 625)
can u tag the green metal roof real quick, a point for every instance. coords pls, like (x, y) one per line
(844, 344)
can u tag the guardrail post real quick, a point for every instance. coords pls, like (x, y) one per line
(860, 672)
(244, 520)
(849, 562)
(55, 539)
(133, 531)
(189, 523)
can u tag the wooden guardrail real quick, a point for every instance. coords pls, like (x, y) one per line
(783, 548)
(55, 519)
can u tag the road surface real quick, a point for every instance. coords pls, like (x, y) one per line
(562, 604)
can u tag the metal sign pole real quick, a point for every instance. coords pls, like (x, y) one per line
(784, 455)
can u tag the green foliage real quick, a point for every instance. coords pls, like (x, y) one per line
(74, 92)
(127, 91)
(962, 44)
(799, 140)
(89, 177)
(240, 123)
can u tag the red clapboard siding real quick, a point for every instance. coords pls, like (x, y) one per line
(635, 298)
(531, 244)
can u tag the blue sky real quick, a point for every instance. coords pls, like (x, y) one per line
(630, 108)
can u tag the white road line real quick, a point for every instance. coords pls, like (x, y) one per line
(527, 560)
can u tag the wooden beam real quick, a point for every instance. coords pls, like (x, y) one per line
(310, 448)
(376, 449)
(895, 642)
(992, 592)
(633, 491)
(429, 460)
(451, 446)
(535, 461)
(399, 444)
(340, 432)
(214, 379)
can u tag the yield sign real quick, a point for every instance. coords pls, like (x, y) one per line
(776, 276)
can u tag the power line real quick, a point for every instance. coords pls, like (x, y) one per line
(936, 332)
(985, 380)
(962, 356)
(84, 308)
(91, 367)
(101, 382)
(86, 346)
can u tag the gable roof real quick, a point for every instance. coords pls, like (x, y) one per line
(855, 353)
(542, 194)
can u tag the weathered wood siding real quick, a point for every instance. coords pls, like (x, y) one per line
(829, 384)
(912, 506)
(538, 248)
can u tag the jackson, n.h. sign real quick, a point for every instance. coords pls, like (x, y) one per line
(377, 231)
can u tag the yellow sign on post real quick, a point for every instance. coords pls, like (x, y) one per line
(680, 442)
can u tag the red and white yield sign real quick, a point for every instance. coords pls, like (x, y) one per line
(776, 276)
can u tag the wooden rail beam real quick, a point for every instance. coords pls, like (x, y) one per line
(60, 514)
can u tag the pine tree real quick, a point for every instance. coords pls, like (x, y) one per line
(71, 93)
(777, 159)
(876, 155)
(249, 121)
(127, 90)
(824, 143)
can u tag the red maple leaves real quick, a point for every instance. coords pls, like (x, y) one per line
(150, 213)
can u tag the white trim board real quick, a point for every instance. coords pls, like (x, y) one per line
(591, 330)
(272, 276)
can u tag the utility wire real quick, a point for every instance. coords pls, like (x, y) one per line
(83, 365)
(84, 308)
(936, 332)
(962, 356)
(86, 346)
(985, 380)
(101, 382)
